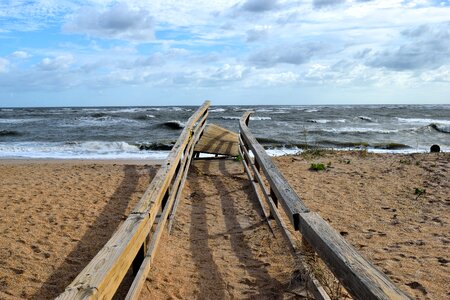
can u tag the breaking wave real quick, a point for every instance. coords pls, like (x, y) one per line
(440, 127)
(173, 124)
(9, 133)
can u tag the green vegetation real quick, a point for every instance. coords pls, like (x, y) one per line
(317, 167)
(238, 158)
(312, 153)
(419, 192)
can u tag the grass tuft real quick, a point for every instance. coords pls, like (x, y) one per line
(317, 167)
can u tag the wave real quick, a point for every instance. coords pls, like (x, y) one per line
(77, 150)
(218, 110)
(264, 110)
(440, 127)
(311, 110)
(364, 118)
(156, 146)
(263, 140)
(144, 117)
(359, 130)
(324, 121)
(20, 121)
(361, 144)
(95, 121)
(280, 112)
(9, 133)
(423, 121)
(100, 115)
(173, 124)
(251, 118)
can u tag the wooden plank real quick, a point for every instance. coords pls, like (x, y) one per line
(218, 140)
(272, 207)
(104, 273)
(120, 251)
(179, 182)
(178, 196)
(312, 283)
(255, 189)
(361, 279)
(290, 201)
(162, 178)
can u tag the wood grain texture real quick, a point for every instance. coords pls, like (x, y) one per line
(175, 193)
(361, 279)
(197, 133)
(291, 202)
(218, 140)
(313, 284)
(104, 273)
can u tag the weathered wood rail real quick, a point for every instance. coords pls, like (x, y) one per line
(135, 242)
(359, 277)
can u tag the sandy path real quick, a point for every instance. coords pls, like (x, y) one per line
(56, 216)
(219, 247)
(371, 200)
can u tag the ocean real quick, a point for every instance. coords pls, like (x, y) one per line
(149, 132)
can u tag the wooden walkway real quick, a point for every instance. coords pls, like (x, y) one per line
(226, 241)
(220, 247)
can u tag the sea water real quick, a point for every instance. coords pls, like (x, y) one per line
(149, 132)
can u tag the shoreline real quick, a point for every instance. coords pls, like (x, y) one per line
(274, 152)
(81, 161)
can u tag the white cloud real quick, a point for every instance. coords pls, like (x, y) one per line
(56, 63)
(257, 34)
(20, 54)
(4, 64)
(117, 22)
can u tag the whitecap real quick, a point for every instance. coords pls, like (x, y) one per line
(423, 121)
(217, 110)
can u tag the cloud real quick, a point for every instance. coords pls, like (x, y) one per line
(257, 6)
(295, 54)
(325, 3)
(57, 63)
(254, 35)
(4, 64)
(117, 22)
(20, 54)
(423, 47)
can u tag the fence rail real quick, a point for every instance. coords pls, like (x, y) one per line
(128, 245)
(359, 277)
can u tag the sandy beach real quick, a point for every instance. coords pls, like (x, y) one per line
(56, 215)
(371, 199)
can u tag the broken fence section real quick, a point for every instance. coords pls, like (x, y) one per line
(359, 277)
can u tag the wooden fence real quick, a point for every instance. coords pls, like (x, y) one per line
(359, 277)
(135, 242)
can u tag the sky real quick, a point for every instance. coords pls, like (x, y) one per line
(166, 52)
